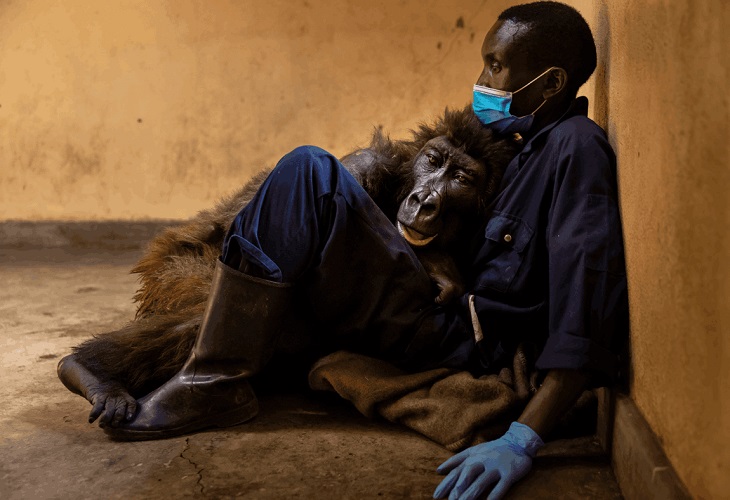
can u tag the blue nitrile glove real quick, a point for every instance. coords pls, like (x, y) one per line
(507, 460)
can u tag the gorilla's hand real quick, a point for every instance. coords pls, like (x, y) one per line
(442, 270)
(111, 402)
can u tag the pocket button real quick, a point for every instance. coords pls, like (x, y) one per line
(507, 237)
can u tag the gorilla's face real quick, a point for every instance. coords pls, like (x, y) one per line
(447, 198)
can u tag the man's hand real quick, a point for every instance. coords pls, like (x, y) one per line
(503, 461)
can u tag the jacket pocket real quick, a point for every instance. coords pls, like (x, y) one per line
(508, 238)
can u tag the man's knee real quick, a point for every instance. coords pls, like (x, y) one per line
(310, 161)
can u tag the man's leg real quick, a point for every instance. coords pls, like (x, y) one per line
(311, 224)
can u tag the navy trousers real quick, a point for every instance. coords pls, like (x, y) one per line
(312, 224)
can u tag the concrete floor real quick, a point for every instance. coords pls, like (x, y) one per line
(300, 446)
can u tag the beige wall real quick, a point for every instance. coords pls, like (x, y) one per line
(154, 109)
(137, 109)
(662, 93)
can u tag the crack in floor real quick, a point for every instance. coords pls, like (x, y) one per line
(198, 470)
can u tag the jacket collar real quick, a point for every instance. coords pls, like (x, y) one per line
(579, 107)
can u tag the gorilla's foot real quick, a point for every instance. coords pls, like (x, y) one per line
(187, 404)
(111, 401)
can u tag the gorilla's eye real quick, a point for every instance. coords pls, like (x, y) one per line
(462, 178)
(432, 159)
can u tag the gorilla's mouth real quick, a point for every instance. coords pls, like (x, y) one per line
(413, 237)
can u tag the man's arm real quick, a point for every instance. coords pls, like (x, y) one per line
(507, 459)
(557, 394)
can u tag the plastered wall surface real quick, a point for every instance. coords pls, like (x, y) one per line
(661, 90)
(155, 109)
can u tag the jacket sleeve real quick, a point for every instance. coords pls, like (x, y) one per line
(587, 291)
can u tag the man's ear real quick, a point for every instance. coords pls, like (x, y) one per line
(555, 82)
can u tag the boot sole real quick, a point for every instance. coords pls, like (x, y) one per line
(231, 418)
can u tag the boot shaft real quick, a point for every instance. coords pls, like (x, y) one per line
(243, 320)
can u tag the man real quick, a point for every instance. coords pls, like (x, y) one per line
(565, 272)
(548, 268)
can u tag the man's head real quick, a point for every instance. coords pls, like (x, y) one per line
(529, 39)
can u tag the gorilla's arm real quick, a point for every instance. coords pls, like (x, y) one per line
(380, 174)
(443, 271)
(371, 169)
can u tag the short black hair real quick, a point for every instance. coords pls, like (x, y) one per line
(557, 35)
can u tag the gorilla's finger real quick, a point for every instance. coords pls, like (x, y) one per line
(448, 289)
(131, 409)
(120, 412)
(108, 415)
(97, 409)
(447, 294)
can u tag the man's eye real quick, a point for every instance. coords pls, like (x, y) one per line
(495, 68)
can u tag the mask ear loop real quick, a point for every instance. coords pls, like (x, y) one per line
(530, 83)
(534, 79)
(538, 108)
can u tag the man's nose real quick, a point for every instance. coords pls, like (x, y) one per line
(485, 78)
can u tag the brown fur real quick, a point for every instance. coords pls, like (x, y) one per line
(176, 270)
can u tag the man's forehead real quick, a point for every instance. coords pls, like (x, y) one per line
(503, 38)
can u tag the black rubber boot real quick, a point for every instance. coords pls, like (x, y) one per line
(242, 322)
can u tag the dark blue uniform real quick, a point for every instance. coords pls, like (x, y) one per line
(548, 267)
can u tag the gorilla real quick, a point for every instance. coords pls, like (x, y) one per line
(435, 187)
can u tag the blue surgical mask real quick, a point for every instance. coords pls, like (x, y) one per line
(492, 108)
